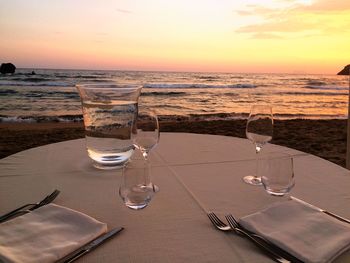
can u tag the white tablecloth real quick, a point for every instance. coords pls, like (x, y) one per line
(195, 173)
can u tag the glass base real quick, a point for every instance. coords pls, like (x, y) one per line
(136, 201)
(136, 207)
(136, 196)
(278, 191)
(252, 180)
(107, 167)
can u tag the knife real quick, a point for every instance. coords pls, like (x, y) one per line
(89, 246)
(321, 210)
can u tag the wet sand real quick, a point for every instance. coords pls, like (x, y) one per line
(324, 138)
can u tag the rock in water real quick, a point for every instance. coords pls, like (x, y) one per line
(345, 71)
(7, 68)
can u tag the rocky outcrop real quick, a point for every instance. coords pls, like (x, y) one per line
(6, 68)
(345, 71)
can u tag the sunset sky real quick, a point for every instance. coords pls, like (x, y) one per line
(260, 36)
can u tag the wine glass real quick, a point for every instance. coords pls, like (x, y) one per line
(146, 135)
(259, 130)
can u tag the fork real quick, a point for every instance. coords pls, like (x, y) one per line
(234, 223)
(265, 247)
(29, 207)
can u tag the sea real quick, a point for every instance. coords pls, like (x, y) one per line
(50, 94)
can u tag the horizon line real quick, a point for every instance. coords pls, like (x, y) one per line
(176, 71)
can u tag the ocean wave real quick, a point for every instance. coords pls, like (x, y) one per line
(170, 93)
(231, 94)
(218, 116)
(325, 87)
(170, 106)
(7, 92)
(35, 79)
(316, 82)
(286, 116)
(296, 93)
(87, 77)
(170, 117)
(204, 117)
(208, 78)
(34, 94)
(7, 119)
(243, 116)
(37, 84)
(40, 119)
(200, 86)
(39, 94)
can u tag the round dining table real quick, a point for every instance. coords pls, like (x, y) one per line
(196, 174)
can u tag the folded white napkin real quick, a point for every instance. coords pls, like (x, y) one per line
(304, 232)
(46, 234)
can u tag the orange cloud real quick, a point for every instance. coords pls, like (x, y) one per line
(327, 6)
(286, 25)
(322, 17)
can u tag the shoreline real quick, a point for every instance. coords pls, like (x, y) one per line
(219, 116)
(323, 138)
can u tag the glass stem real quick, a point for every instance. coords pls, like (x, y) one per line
(147, 172)
(147, 168)
(257, 151)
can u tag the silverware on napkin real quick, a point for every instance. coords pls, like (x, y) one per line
(321, 210)
(29, 207)
(268, 248)
(89, 246)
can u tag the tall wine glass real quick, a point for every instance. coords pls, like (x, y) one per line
(259, 130)
(146, 135)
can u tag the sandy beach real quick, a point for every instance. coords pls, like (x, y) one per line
(324, 138)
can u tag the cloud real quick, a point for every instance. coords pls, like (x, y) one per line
(319, 18)
(266, 36)
(254, 10)
(124, 11)
(326, 6)
(282, 26)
